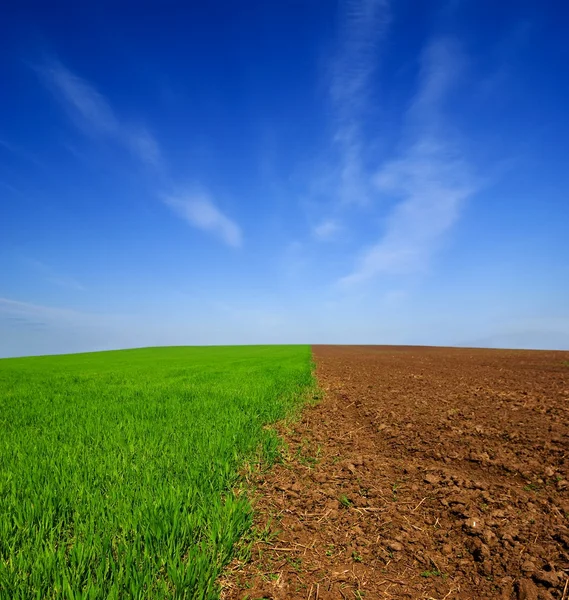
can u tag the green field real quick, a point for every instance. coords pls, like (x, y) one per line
(118, 470)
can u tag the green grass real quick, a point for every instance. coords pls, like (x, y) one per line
(436, 573)
(119, 470)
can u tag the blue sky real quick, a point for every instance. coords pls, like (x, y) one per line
(367, 171)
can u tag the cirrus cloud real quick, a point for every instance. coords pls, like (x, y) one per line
(199, 210)
(430, 177)
(93, 114)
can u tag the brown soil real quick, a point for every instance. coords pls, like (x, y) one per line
(423, 473)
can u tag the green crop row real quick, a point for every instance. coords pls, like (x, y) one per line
(118, 469)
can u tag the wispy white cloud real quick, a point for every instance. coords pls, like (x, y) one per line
(363, 23)
(431, 178)
(93, 114)
(362, 27)
(326, 230)
(198, 209)
(89, 109)
(342, 179)
(143, 145)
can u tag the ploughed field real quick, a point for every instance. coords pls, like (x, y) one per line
(423, 473)
(119, 471)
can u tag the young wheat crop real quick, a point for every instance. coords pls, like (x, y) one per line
(118, 469)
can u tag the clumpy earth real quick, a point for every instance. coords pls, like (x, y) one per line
(423, 473)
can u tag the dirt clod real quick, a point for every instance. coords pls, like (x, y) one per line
(526, 590)
(547, 578)
(395, 546)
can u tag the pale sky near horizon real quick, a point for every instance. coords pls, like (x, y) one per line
(296, 171)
